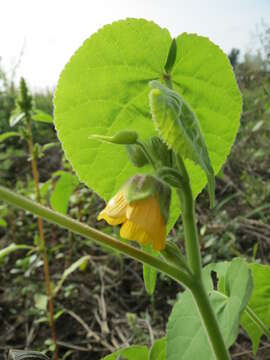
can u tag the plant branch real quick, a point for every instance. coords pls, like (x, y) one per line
(96, 235)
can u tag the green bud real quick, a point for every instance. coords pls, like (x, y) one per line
(161, 151)
(141, 187)
(171, 57)
(122, 137)
(173, 255)
(136, 155)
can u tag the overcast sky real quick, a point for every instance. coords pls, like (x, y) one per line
(50, 31)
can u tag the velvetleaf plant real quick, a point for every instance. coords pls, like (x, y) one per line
(133, 103)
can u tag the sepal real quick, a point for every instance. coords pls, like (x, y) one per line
(141, 187)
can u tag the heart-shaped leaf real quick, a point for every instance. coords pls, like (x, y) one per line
(104, 89)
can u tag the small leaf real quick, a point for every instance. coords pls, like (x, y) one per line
(179, 128)
(64, 188)
(16, 117)
(7, 135)
(158, 350)
(41, 116)
(171, 57)
(131, 353)
(11, 248)
(73, 267)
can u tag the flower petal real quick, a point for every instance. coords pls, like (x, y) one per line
(110, 220)
(114, 212)
(132, 231)
(146, 213)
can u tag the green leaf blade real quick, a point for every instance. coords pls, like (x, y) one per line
(158, 350)
(41, 116)
(64, 188)
(135, 352)
(259, 303)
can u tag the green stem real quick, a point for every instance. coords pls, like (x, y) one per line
(192, 246)
(91, 233)
(187, 204)
(209, 321)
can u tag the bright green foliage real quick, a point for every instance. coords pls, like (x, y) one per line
(186, 337)
(131, 353)
(259, 303)
(180, 129)
(64, 188)
(158, 350)
(41, 116)
(7, 135)
(104, 89)
(149, 273)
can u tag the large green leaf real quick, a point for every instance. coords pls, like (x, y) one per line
(186, 337)
(259, 303)
(130, 353)
(104, 89)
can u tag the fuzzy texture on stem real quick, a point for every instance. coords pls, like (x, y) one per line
(96, 235)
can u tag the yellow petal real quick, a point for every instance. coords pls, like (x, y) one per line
(146, 213)
(132, 231)
(110, 220)
(114, 212)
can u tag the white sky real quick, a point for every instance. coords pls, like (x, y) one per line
(50, 31)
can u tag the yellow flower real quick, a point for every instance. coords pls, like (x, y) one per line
(142, 219)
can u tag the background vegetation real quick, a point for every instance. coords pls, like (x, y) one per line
(103, 305)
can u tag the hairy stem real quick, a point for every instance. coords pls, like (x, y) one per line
(42, 239)
(96, 235)
(192, 246)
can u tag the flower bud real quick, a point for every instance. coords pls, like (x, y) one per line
(122, 137)
(136, 155)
